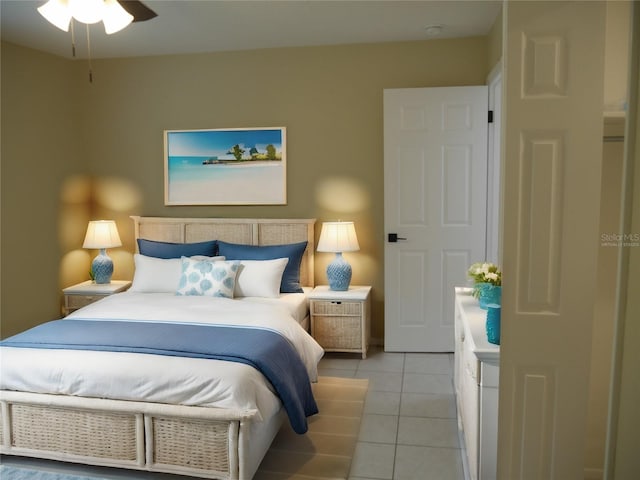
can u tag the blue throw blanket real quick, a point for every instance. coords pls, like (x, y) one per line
(264, 350)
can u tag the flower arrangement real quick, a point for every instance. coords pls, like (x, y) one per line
(485, 273)
(487, 278)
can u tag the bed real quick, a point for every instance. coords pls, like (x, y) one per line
(181, 422)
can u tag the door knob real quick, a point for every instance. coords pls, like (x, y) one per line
(393, 237)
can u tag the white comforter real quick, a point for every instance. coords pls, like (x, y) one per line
(156, 378)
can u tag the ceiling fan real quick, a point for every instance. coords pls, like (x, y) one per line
(114, 14)
(138, 9)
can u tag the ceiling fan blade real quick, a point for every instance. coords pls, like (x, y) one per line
(139, 10)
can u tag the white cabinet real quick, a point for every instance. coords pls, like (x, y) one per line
(476, 373)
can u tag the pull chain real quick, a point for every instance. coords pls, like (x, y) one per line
(73, 48)
(73, 40)
(89, 54)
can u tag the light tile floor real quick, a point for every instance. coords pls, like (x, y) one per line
(409, 428)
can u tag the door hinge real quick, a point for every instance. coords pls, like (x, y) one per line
(490, 116)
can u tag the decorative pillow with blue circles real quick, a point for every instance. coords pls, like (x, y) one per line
(208, 278)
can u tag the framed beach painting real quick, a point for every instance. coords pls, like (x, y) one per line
(227, 166)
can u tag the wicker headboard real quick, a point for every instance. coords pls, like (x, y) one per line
(234, 230)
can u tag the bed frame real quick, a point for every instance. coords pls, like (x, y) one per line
(198, 441)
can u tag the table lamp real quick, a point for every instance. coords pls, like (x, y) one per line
(338, 237)
(102, 234)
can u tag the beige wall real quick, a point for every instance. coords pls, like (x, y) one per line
(494, 38)
(616, 67)
(40, 149)
(329, 98)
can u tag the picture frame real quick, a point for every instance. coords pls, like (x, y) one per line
(225, 166)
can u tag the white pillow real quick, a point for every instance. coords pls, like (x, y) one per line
(158, 275)
(208, 278)
(260, 278)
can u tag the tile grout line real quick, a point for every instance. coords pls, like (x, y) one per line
(395, 448)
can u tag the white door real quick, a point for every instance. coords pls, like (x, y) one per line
(553, 84)
(435, 178)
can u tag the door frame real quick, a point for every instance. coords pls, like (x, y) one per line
(494, 171)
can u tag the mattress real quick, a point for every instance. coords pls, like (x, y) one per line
(158, 379)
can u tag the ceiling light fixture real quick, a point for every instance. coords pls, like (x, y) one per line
(433, 30)
(62, 12)
(110, 12)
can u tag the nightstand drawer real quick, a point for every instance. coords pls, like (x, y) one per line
(78, 301)
(338, 332)
(336, 308)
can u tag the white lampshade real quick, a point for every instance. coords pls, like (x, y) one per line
(57, 12)
(115, 18)
(86, 11)
(102, 234)
(112, 14)
(338, 237)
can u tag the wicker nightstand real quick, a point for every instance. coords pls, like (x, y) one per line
(77, 296)
(341, 321)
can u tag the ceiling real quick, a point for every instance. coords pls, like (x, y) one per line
(197, 26)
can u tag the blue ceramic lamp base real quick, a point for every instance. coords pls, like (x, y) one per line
(339, 274)
(102, 267)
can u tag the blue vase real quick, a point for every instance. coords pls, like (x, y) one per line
(102, 267)
(493, 323)
(488, 293)
(339, 274)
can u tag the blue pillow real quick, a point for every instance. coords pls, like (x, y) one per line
(293, 251)
(151, 248)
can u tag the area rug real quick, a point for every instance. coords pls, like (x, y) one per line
(324, 452)
(18, 473)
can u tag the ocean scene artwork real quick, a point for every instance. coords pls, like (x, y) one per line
(225, 166)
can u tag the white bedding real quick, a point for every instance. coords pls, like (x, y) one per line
(155, 378)
(297, 304)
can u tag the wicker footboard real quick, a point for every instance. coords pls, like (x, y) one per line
(198, 441)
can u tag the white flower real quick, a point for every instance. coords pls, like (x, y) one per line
(485, 272)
